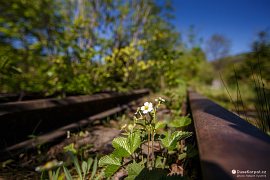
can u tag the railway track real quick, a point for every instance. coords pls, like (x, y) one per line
(50, 119)
(229, 147)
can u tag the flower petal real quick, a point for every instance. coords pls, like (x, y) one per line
(146, 103)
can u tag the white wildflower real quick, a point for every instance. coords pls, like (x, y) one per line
(148, 107)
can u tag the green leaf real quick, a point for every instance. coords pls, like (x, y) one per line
(182, 156)
(56, 174)
(84, 168)
(121, 147)
(109, 160)
(94, 168)
(183, 134)
(181, 122)
(70, 148)
(77, 166)
(159, 162)
(160, 125)
(89, 164)
(134, 141)
(67, 173)
(110, 170)
(134, 169)
(124, 147)
(171, 139)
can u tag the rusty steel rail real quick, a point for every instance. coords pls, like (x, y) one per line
(18, 120)
(229, 147)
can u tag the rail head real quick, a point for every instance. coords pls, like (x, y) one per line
(18, 120)
(13, 107)
(229, 147)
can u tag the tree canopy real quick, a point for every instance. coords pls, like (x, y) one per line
(85, 46)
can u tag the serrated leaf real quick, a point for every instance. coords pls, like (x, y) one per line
(181, 122)
(109, 160)
(183, 134)
(134, 169)
(171, 139)
(111, 169)
(121, 147)
(124, 147)
(160, 125)
(134, 141)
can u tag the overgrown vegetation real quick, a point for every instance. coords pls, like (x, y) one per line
(152, 142)
(65, 47)
(145, 131)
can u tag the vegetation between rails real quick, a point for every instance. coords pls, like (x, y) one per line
(149, 145)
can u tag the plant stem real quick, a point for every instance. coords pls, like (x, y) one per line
(182, 145)
(152, 148)
(164, 162)
(148, 148)
(142, 153)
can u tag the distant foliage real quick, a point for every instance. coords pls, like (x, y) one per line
(80, 47)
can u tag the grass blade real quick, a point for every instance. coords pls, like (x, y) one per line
(67, 173)
(94, 168)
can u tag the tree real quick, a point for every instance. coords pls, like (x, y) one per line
(218, 46)
(83, 46)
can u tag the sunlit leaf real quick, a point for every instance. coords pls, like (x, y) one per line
(126, 146)
(181, 122)
(171, 139)
(110, 170)
(134, 169)
(109, 160)
(160, 125)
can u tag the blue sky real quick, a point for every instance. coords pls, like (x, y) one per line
(238, 20)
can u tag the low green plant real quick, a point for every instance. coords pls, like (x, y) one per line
(143, 132)
(82, 169)
(54, 170)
